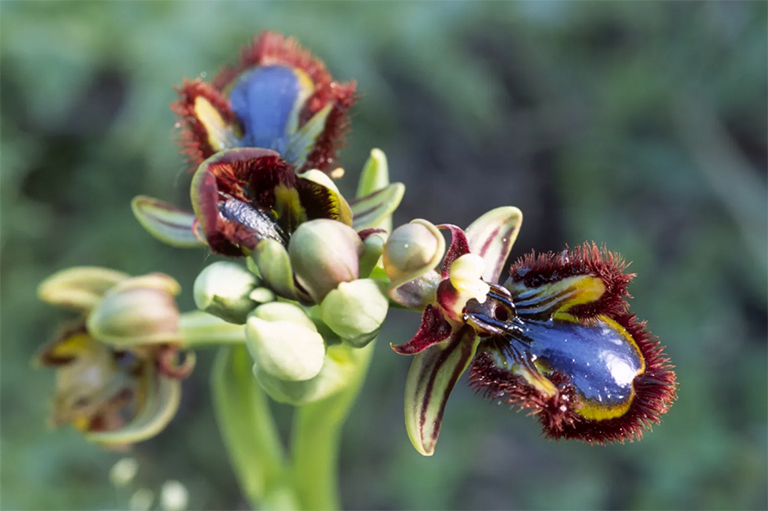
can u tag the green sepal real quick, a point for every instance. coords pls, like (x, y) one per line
(373, 210)
(491, 237)
(431, 378)
(301, 143)
(80, 288)
(375, 174)
(167, 223)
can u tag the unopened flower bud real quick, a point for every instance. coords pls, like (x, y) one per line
(225, 289)
(141, 310)
(412, 250)
(284, 342)
(323, 254)
(356, 310)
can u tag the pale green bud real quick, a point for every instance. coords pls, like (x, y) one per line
(373, 247)
(412, 250)
(337, 372)
(284, 342)
(411, 254)
(140, 310)
(356, 310)
(274, 266)
(224, 289)
(324, 253)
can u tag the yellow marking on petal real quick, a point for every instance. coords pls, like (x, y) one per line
(220, 134)
(81, 424)
(306, 89)
(76, 345)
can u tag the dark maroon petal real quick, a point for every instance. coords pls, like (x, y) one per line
(434, 329)
(459, 247)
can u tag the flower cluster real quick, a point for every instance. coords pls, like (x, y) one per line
(312, 275)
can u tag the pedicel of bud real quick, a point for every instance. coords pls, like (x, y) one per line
(225, 289)
(356, 310)
(284, 342)
(411, 254)
(323, 254)
(140, 310)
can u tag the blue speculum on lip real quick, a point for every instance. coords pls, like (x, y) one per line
(268, 101)
(533, 335)
(600, 360)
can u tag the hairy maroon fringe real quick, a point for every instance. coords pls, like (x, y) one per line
(44, 355)
(333, 137)
(534, 270)
(655, 390)
(193, 137)
(273, 48)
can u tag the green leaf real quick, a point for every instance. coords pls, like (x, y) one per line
(431, 378)
(166, 222)
(373, 210)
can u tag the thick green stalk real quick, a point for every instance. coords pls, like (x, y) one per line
(249, 432)
(201, 329)
(316, 437)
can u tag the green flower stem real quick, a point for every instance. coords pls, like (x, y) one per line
(249, 432)
(201, 329)
(316, 438)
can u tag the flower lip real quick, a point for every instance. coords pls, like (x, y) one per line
(243, 196)
(569, 353)
(278, 96)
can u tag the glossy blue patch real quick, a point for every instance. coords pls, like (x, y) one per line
(598, 359)
(265, 100)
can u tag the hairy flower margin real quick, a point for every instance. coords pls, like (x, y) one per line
(556, 338)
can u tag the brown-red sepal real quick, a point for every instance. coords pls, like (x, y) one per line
(194, 138)
(434, 329)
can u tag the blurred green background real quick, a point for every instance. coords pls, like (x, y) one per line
(638, 124)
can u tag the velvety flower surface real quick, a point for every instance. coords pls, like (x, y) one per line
(243, 196)
(117, 375)
(278, 97)
(556, 338)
